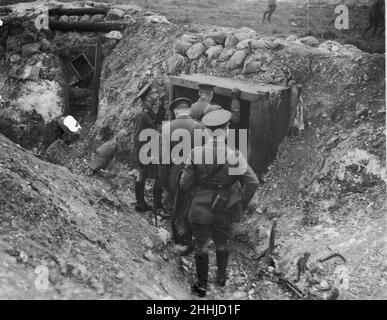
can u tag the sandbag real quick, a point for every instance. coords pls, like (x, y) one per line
(236, 61)
(244, 33)
(214, 52)
(114, 14)
(191, 38)
(208, 43)
(175, 64)
(309, 41)
(226, 54)
(252, 67)
(258, 44)
(181, 47)
(231, 41)
(244, 44)
(30, 49)
(218, 36)
(291, 38)
(85, 17)
(195, 51)
(97, 18)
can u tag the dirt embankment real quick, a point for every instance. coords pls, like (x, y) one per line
(327, 186)
(88, 237)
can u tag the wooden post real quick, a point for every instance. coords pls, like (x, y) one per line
(97, 74)
(87, 26)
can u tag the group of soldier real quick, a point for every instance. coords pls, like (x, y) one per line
(202, 199)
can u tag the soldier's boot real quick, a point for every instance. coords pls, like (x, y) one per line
(200, 287)
(141, 205)
(221, 261)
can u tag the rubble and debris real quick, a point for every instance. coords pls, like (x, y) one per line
(332, 173)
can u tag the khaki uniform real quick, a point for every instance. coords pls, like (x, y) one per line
(242, 186)
(200, 108)
(169, 173)
(143, 120)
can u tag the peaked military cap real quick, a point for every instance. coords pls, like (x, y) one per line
(213, 107)
(179, 101)
(206, 86)
(216, 118)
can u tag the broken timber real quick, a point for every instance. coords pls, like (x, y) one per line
(97, 74)
(87, 26)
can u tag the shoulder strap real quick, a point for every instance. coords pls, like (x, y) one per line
(213, 173)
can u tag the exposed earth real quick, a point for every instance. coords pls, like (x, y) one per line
(326, 187)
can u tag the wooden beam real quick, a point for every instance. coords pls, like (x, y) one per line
(77, 11)
(97, 75)
(87, 26)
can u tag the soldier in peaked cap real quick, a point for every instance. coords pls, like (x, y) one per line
(199, 108)
(151, 116)
(170, 172)
(203, 105)
(219, 191)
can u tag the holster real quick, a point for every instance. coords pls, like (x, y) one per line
(221, 200)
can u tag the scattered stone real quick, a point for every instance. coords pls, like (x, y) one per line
(30, 73)
(114, 35)
(324, 286)
(23, 256)
(150, 256)
(45, 45)
(164, 235)
(97, 285)
(30, 49)
(14, 58)
(195, 51)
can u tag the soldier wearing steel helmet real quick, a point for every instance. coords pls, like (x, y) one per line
(151, 116)
(219, 196)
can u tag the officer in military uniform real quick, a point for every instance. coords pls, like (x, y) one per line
(200, 107)
(151, 116)
(169, 173)
(220, 192)
(204, 105)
